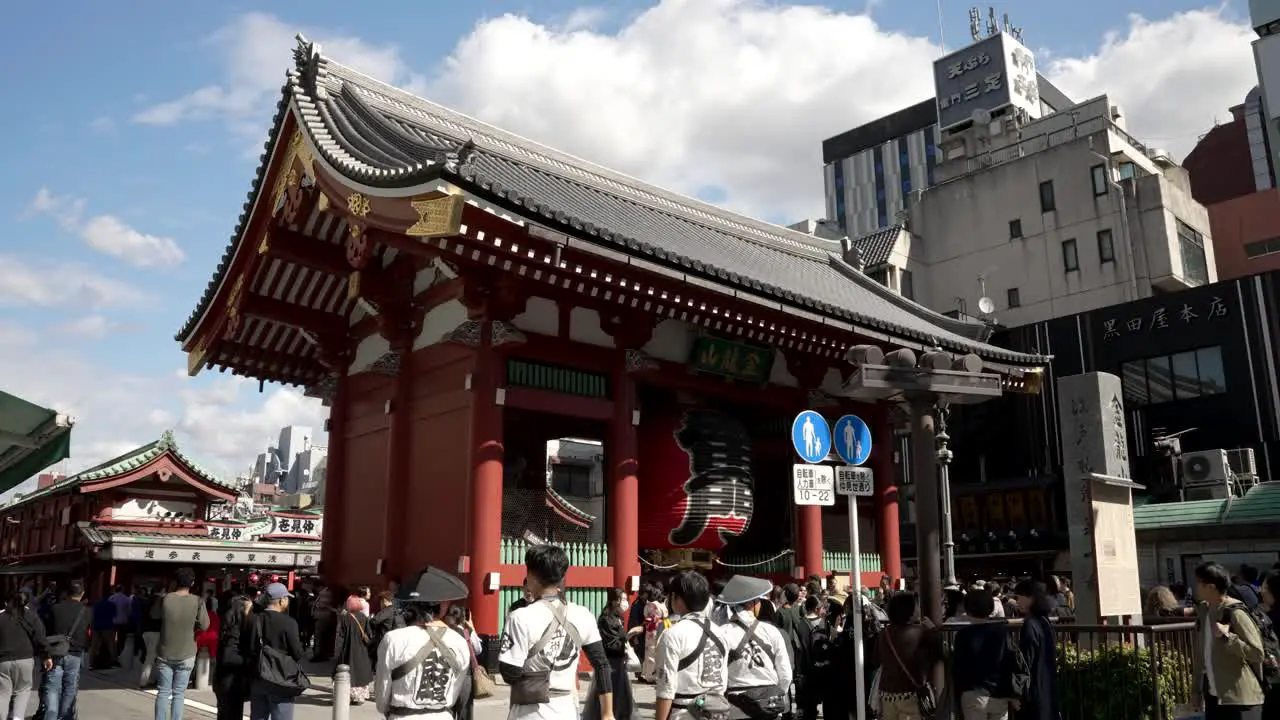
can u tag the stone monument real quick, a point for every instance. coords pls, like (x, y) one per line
(1099, 503)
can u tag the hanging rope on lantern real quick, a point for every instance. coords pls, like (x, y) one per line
(779, 556)
(657, 567)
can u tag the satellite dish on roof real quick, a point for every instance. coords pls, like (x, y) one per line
(986, 306)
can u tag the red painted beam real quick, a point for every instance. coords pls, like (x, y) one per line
(295, 316)
(558, 404)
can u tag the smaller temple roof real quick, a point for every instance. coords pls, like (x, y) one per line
(31, 439)
(1260, 505)
(133, 460)
(877, 247)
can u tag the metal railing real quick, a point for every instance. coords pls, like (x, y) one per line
(1116, 672)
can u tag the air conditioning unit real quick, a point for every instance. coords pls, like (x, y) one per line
(1206, 475)
(1242, 463)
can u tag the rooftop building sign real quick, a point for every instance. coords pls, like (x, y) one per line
(992, 74)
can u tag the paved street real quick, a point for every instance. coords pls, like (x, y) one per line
(113, 694)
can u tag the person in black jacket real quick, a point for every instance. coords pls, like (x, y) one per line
(22, 640)
(613, 636)
(70, 618)
(386, 619)
(230, 682)
(978, 660)
(271, 628)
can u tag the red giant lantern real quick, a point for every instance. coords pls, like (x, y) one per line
(695, 477)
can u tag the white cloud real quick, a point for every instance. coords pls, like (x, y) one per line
(731, 98)
(220, 420)
(90, 327)
(257, 49)
(45, 283)
(103, 125)
(108, 234)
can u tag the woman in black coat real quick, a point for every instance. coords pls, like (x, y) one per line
(351, 647)
(1039, 647)
(613, 635)
(384, 620)
(230, 681)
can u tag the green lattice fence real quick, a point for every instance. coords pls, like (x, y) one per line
(838, 562)
(581, 554)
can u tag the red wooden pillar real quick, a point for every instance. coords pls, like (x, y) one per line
(888, 538)
(335, 481)
(399, 465)
(624, 489)
(486, 483)
(809, 544)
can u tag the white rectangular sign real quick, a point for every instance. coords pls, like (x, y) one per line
(854, 480)
(814, 484)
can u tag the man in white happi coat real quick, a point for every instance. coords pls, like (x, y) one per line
(541, 643)
(759, 665)
(692, 658)
(424, 668)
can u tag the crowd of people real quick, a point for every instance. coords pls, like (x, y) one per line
(736, 649)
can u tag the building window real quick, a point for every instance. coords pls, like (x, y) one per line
(1046, 197)
(1015, 229)
(907, 285)
(1012, 298)
(930, 155)
(1099, 174)
(571, 480)
(1180, 376)
(1127, 170)
(881, 276)
(882, 206)
(1070, 256)
(1262, 247)
(840, 203)
(1106, 247)
(1191, 248)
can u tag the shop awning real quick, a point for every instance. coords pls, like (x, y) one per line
(31, 439)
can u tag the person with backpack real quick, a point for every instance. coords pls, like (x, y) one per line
(759, 668)
(1228, 657)
(988, 671)
(274, 651)
(1271, 603)
(815, 677)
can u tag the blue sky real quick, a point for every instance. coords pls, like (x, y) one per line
(132, 132)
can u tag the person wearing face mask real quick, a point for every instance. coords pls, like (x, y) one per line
(614, 638)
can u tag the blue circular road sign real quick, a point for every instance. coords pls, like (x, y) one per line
(811, 437)
(853, 439)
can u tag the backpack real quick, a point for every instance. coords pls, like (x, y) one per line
(821, 650)
(1270, 675)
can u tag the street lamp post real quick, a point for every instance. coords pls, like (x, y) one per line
(943, 440)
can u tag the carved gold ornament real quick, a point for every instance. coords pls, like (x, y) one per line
(358, 205)
(298, 151)
(437, 216)
(264, 247)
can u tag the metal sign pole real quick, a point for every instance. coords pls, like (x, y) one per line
(859, 674)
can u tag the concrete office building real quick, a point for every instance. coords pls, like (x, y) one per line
(1045, 214)
(870, 171)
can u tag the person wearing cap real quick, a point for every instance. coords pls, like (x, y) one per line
(424, 668)
(759, 666)
(272, 628)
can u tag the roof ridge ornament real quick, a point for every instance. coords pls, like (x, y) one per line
(460, 156)
(167, 441)
(306, 58)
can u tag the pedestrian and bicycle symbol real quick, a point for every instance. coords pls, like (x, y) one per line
(811, 437)
(852, 439)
